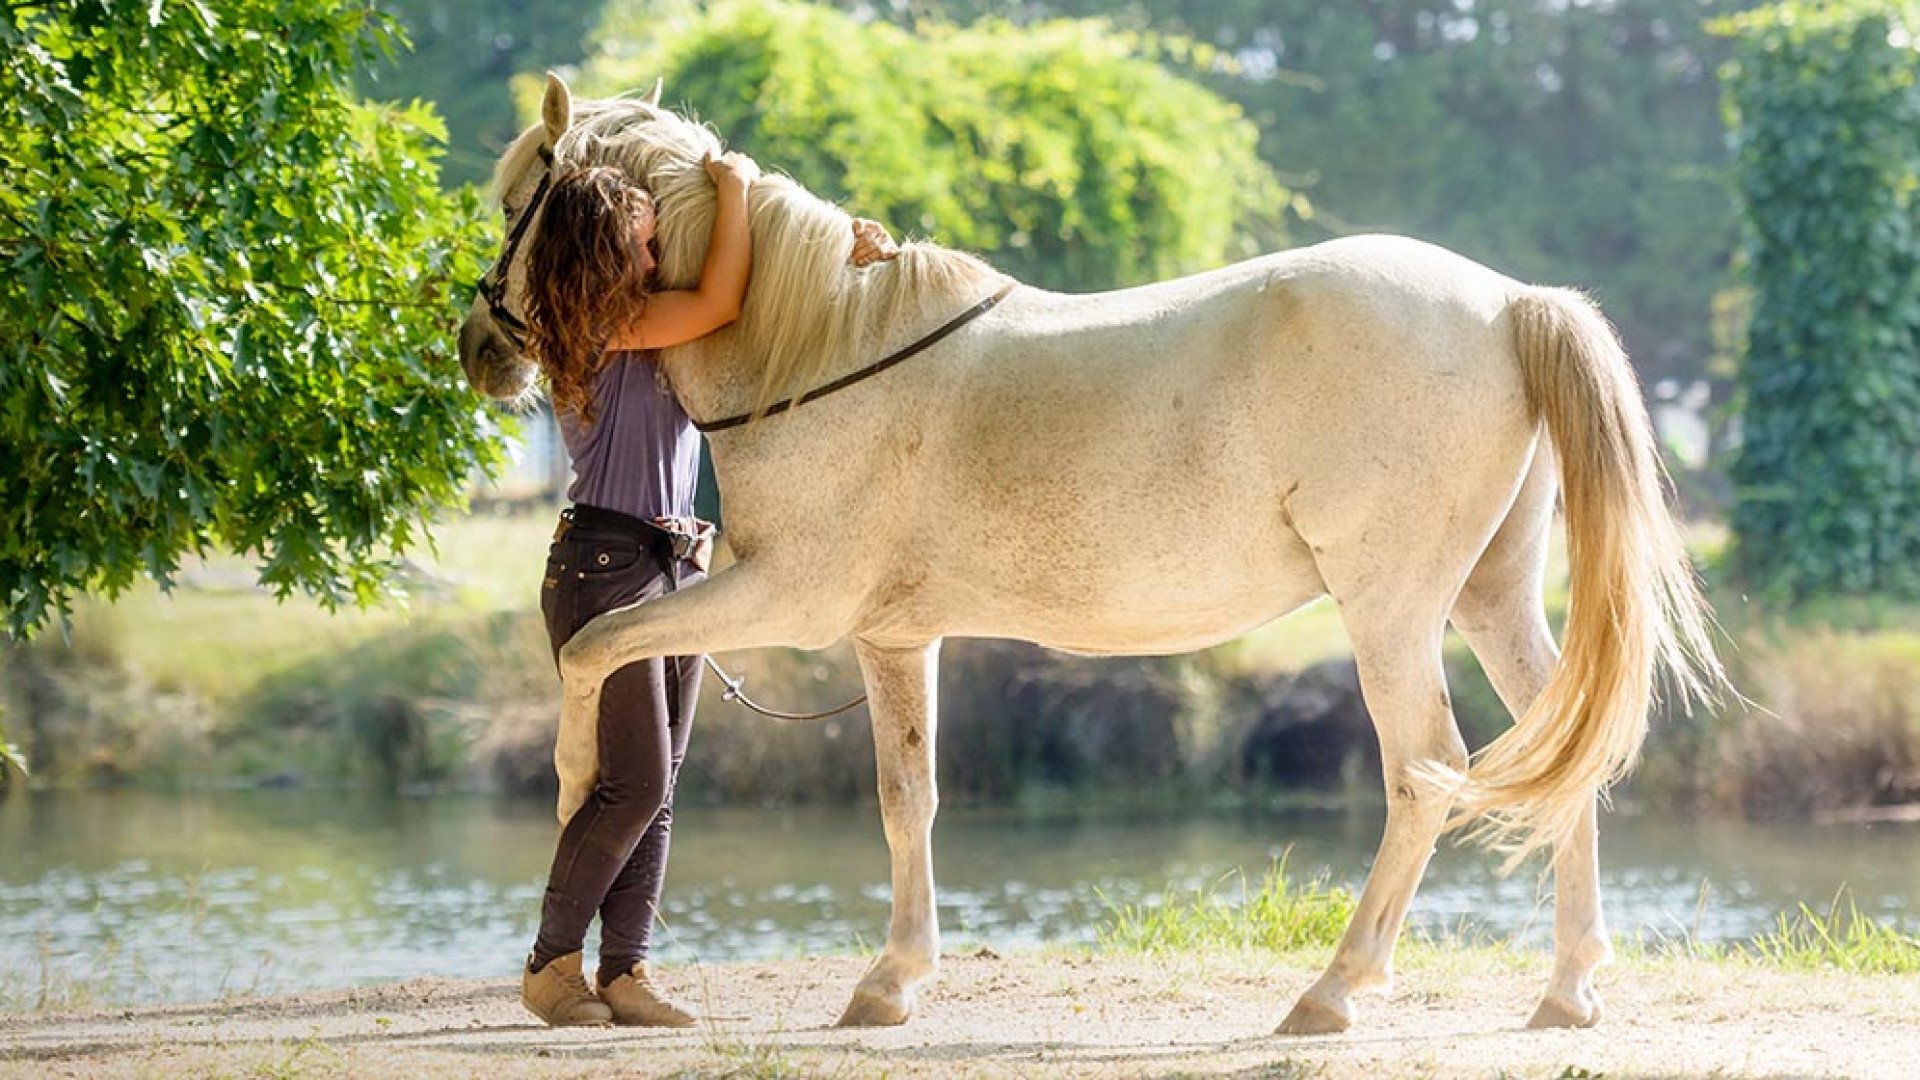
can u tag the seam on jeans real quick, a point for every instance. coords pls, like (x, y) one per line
(573, 858)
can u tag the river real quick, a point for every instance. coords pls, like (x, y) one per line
(189, 897)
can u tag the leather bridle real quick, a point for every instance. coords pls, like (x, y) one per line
(492, 286)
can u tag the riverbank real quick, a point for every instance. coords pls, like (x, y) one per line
(218, 685)
(1454, 1013)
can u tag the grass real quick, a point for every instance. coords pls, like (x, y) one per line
(1840, 938)
(1284, 915)
(1281, 915)
(218, 679)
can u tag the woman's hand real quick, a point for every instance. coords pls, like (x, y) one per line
(732, 169)
(871, 243)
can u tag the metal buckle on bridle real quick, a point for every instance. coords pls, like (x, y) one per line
(492, 286)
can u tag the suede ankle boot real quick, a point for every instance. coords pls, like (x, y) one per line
(637, 1002)
(559, 994)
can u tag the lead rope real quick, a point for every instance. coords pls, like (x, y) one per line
(735, 692)
(736, 687)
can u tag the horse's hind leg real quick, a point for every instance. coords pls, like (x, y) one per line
(1502, 618)
(900, 689)
(1398, 653)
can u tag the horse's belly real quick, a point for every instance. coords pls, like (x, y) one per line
(1157, 591)
(1167, 632)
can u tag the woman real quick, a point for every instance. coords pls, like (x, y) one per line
(593, 323)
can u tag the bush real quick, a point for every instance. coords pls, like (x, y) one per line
(1838, 728)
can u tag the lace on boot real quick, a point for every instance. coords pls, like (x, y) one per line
(636, 1002)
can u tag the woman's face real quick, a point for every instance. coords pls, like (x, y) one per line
(643, 238)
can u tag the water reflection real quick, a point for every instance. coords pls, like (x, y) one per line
(187, 897)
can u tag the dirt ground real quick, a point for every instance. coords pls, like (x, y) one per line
(1039, 1015)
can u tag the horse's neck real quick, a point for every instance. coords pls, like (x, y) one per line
(708, 378)
(902, 302)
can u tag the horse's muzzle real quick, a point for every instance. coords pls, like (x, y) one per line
(493, 366)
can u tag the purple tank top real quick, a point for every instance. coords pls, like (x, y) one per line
(641, 455)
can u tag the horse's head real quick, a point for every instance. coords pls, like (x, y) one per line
(658, 150)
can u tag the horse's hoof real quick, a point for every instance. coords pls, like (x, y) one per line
(1555, 1013)
(868, 1009)
(1311, 1017)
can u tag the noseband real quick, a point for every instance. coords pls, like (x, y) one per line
(493, 284)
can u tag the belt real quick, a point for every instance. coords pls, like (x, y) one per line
(582, 516)
(669, 540)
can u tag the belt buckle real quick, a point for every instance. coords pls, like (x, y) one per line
(687, 541)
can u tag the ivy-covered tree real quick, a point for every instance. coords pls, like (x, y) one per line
(1064, 152)
(226, 315)
(1824, 101)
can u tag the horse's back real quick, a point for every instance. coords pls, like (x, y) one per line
(1175, 454)
(1263, 366)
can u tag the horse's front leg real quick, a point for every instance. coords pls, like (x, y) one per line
(741, 607)
(901, 688)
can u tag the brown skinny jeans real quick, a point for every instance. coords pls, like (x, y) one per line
(612, 856)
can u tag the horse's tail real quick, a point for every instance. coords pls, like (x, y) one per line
(1634, 604)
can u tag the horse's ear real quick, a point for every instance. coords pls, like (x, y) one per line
(556, 109)
(653, 95)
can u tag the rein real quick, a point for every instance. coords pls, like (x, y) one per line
(870, 370)
(493, 284)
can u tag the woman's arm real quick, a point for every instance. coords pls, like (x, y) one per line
(677, 316)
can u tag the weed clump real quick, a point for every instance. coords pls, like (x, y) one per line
(1281, 915)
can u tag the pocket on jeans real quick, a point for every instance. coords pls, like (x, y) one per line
(604, 559)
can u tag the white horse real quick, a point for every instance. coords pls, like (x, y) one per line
(1156, 470)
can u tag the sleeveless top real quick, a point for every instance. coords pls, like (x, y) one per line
(641, 454)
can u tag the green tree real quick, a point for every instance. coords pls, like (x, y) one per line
(1065, 152)
(461, 55)
(227, 313)
(1824, 103)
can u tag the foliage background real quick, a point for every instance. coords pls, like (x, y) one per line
(1568, 143)
(461, 55)
(209, 191)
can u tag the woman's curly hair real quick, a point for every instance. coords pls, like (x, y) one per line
(585, 279)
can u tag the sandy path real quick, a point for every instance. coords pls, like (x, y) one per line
(1031, 1016)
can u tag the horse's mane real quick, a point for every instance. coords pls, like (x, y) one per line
(805, 306)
